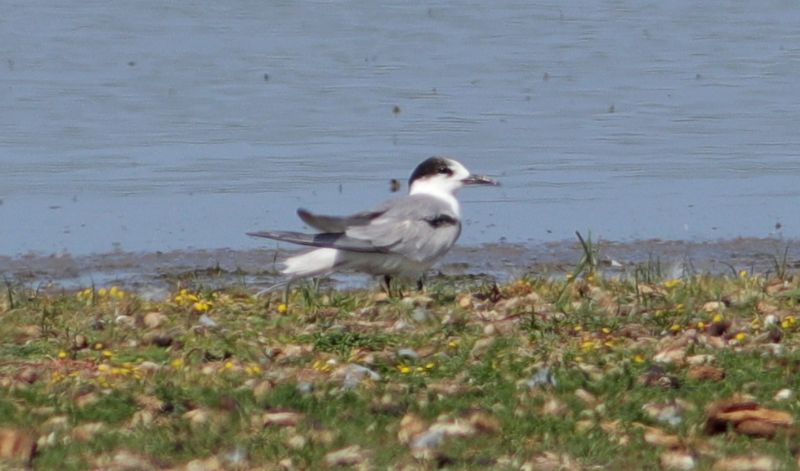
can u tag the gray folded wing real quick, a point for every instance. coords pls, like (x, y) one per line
(337, 223)
(418, 227)
(328, 240)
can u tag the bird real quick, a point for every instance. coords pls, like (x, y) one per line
(403, 237)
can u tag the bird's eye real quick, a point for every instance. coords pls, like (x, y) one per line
(444, 171)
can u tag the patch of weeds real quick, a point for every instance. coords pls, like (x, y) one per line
(112, 409)
(343, 342)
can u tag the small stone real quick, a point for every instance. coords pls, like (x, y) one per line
(420, 314)
(784, 394)
(281, 419)
(408, 353)
(554, 407)
(706, 373)
(207, 321)
(411, 425)
(197, 417)
(700, 359)
(154, 320)
(57, 423)
(668, 413)
(127, 461)
(713, 306)
(352, 375)
(588, 398)
(125, 321)
(350, 456)
(16, 445)
(85, 400)
(678, 460)
(262, 388)
(80, 342)
(542, 377)
(671, 355)
(746, 463)
(658, 437)
(86, 432)
(207, 464)
(481, 346)
(296, 442)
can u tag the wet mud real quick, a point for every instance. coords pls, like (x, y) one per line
(260, 268)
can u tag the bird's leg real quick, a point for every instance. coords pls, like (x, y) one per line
(387, 284)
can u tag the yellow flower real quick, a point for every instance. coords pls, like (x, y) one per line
(185, 297)
(283, 308)
(99, 346)
(638, 359)
(717, 318)
(577, 328)
(116, 293)
(404, 369)
(85, 295)
(743, 274)
(741, 336)
(672, 283)
(253, 369)
(201, 306)
(606, 330)
(453, 343)
(62, 354)
(587, 345)
(788, 322)
(430, 365)
(675, 328)
(108, 353)
(102, 292)
(701, 325)
(229, 365)
(177, 363)
(103, 368)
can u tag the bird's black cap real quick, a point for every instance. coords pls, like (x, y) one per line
(430, 167)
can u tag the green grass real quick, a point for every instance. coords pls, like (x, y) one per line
(202, 394)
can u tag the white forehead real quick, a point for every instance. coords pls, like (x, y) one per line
(458, 169)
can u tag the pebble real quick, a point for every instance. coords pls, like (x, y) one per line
(784, 394)
(543, 377)
(153, 320)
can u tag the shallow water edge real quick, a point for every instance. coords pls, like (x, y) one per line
(259, 268)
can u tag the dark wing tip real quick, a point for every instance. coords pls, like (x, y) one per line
(265, 234)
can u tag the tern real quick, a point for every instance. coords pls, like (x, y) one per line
(402, 237)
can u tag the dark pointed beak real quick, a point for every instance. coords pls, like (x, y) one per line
(480, 180)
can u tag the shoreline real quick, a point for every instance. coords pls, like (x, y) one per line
(500, 261)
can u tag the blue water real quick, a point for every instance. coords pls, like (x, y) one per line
(149, 125)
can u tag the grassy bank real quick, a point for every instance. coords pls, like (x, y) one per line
(571, 373)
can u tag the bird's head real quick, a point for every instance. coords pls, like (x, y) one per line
(440, 174)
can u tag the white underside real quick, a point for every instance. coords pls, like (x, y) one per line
(320, 262)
